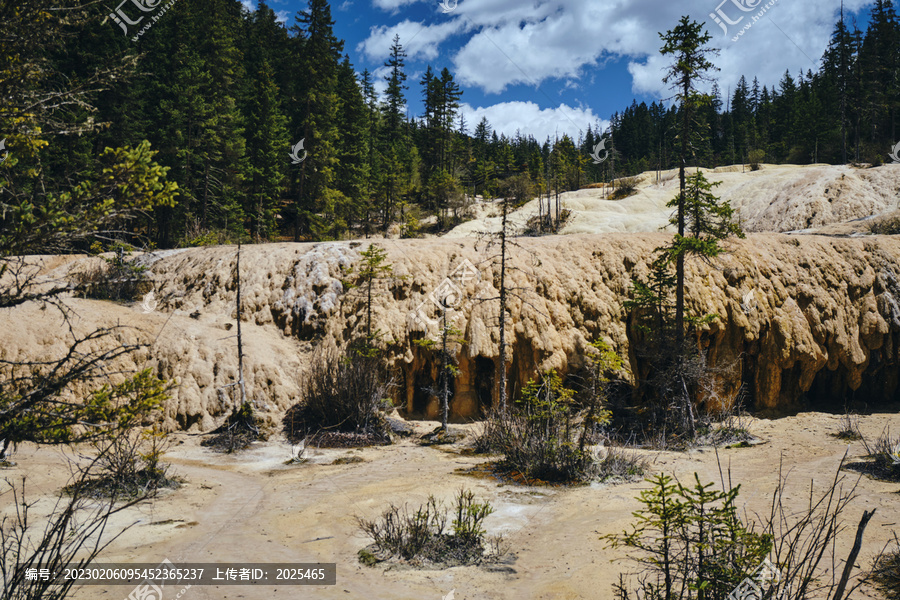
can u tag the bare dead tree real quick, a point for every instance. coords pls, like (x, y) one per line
(74, 533)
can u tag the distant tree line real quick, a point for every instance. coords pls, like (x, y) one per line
(270, 133)
(845, 111)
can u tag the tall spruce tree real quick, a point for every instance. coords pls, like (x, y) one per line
(687, 44)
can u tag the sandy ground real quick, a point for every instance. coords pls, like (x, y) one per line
(253, 508)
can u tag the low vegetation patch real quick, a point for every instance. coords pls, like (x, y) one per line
(886, 570)
(440, 437)
(619, 465)
(624, 187)
(538, 437)
(128, 466)
(883, 458)
(849, 428)
(422, 537)
(756, 158)
(239, 431)
(115, 278)
(886, 225)
(343, 402)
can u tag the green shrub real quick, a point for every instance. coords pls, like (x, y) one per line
(422, 535)
(689, 539)
(624, 187)
(538, 435)
(756, 157)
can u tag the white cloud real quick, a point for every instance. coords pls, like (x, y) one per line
(531, 119)
(282, 16)
(515, 43)
(345, 6)
(249, 5)
(392, 5)
(419, 41)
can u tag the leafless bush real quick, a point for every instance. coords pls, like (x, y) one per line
(73, 535)
(342, 394)
(849, 427)
(129, 465)
(803, 544)
(620, 465)
(115, 278)
(886, 570)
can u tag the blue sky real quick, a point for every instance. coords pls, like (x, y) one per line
(551, 66)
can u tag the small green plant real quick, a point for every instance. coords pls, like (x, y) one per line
(691, 542)
(756, 157)
(421, 536)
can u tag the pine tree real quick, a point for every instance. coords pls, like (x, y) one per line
(266, 143)
(351, 171)
(687, 43)
(316, 53)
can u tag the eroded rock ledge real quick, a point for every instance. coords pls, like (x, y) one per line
(805, 320)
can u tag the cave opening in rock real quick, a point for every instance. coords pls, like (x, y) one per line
(831, 391)
(483, 382)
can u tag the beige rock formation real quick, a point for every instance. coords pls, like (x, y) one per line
(802, 318)
(776, 198)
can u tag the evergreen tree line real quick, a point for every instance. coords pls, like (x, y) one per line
(270, 133)
(846, 111)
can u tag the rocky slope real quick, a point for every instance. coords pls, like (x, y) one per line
(808, 320)
(776, 198)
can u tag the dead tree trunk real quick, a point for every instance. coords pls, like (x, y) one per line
(240, 340)
(854, 553)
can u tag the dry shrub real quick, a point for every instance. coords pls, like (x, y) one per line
(886, 225)
(343, 402)
(422, 536)
(129, 466)
(624, 187)
(886, 570)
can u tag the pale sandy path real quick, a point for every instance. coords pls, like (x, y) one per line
(253, 508)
